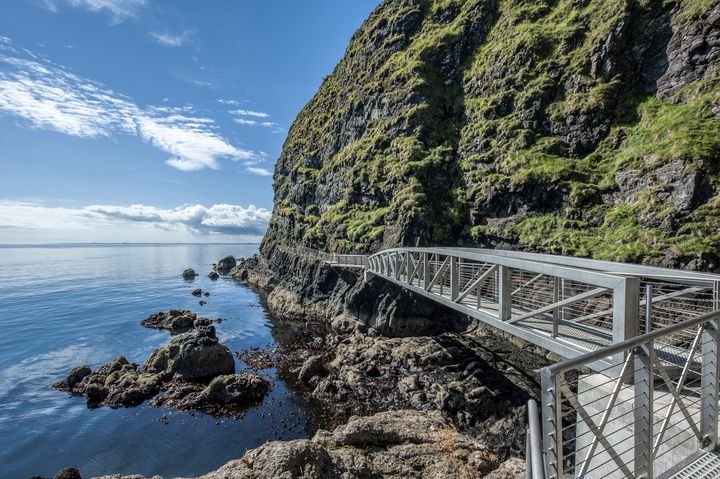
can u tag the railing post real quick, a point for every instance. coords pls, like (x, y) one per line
(648, 307)
(556, 312)
(407, 266)
(454, 278)
(626, 303)
(426, 271)
(643, 410)
(397, 265)
(552, 424)
(504, 299)
(710, 374)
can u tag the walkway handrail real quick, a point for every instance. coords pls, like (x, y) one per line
(612, 267)
(598, 278)
(618, 422)
(631, 343)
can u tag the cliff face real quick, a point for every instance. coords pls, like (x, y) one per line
(573, 126)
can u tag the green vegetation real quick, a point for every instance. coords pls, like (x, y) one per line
(517, 121)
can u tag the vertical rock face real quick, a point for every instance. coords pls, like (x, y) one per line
(586, 128)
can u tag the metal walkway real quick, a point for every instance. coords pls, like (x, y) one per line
(566, 305)
(637, 395)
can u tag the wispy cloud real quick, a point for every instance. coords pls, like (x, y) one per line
(258, 114)
(182, 76)
(243, 121)
(172, 40)
(118, 9)
(194, 219)
(225, 101)
(47, 96)
(259, 171)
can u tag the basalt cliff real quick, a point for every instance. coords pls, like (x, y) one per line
(580, 127)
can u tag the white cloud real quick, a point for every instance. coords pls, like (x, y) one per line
(243, 121)
(47, 96)
(172, 40)
(184, 221)
(222, 218)
(258, 114)
(259, 171)
(118, 9)
(226, 101)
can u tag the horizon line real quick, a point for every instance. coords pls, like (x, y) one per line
(129, 243)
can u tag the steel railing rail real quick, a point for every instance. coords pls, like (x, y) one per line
(631, 343)
(534, 465)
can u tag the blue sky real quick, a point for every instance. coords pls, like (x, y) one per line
(148, 120)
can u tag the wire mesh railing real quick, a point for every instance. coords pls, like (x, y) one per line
(637, 418)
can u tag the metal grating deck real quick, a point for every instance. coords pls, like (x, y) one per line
(707, 466)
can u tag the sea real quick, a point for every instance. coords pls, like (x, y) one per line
(66, 305)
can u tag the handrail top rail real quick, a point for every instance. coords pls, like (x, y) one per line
(589, 276)
(592, 356)
(612, 267)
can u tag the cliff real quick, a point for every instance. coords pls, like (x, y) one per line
(580, 127)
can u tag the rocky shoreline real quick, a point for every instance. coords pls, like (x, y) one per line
(397, 351)
(402, 388)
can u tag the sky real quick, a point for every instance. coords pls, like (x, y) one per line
(154, 121)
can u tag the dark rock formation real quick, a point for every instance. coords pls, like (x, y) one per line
(193, 356)
(194, 371)
(302, 288)
(197, 292)
(189, 273)
(213, 275)
(482, 382)
(67, 473)
(225, 265)
(225, 395)
(117, 384)
(175, 320)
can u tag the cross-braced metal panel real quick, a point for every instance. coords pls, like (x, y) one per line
(638, 418)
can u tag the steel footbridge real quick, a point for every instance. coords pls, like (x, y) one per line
(636, 395)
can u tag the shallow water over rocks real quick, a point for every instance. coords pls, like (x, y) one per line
(63, 306)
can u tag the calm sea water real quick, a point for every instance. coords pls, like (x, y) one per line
(61, 306)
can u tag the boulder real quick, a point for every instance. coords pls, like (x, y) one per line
(197, 355)
(311, 368)
(174, 320)
(513, 468)
(213, 275)
(226, 264)
(76, 375)
(236, 389)
(197, 292)
(189, 273)
(398, 444)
